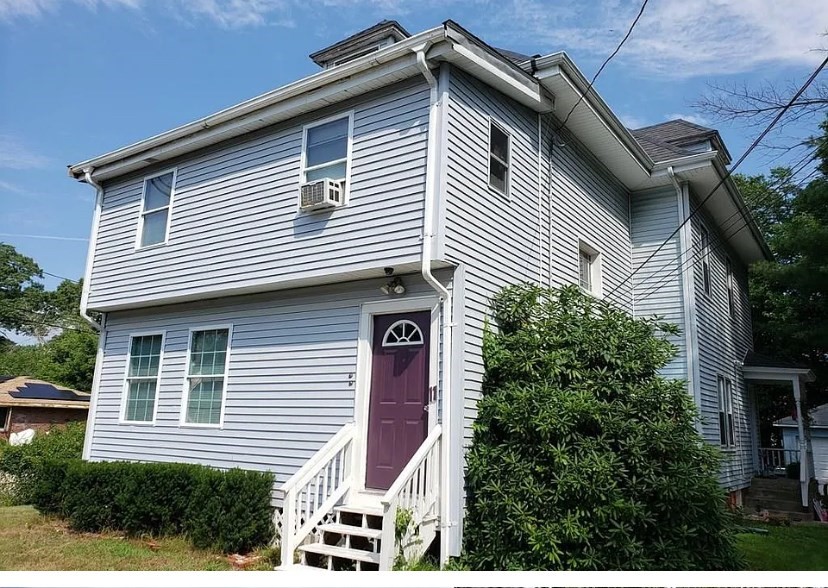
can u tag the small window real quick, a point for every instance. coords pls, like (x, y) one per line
(327, 150)
(498, 158)
(705, 258)
(206, 376)
(402, 333)
(155, 209)
(731, 301)
(143, 367)
(589, 269)
(4, 418)
(727, 429)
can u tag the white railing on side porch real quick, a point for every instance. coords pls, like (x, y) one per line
(313, 491)
(416, 492)
(776, 458)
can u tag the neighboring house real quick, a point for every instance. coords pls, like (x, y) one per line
(26, 403)
(818, 432)
(300, 283)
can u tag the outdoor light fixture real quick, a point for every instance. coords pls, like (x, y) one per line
(394, 287)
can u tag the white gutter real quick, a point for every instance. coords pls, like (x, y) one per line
(685, 236)
(90, 253)
(443, 293)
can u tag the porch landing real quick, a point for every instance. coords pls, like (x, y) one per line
(778, 496)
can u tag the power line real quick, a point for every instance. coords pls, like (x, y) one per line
(729, 172)
(651, 288)
(603, 65)
(719, 244)
(59, 277)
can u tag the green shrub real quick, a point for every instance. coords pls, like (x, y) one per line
(23, 462)
(583, 457)
(792, 470)
(226, 510)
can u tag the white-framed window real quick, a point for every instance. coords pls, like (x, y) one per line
(140, 397)
(403, 333)
(205, 386)
(731, 300)
(589, 269)
(326, 150)
(704, 237)
(727, 427)
(500, 144)
(156, 206)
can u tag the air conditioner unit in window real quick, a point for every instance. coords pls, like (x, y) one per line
(324, 193)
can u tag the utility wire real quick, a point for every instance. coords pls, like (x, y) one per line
(719, 244)
(727, 175)
(725, 226)
(59, 277)
(603, 65)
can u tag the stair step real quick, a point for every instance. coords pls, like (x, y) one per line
(352, 530)
(342, 552)
(373, 511)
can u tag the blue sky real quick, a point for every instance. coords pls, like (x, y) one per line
(82, 77)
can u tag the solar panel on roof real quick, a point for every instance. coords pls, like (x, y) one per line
(44, 392)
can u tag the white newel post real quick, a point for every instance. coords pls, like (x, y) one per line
(804, 469)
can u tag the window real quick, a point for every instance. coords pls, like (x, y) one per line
(705, 258)
(402, 333)
(498, 158)
(143, 367)
(731, 302)
(4, 417)
(727, 432)
(327, 149)
(206, 376)
(589, 269)
(155, 209)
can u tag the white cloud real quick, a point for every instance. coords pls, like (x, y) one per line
(12, 9)
(10, 188)
(632, 121)
(14, 155)
(693, 118)
(678, 38)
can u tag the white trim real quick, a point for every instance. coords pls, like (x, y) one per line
(185, 396)
(508, 164)
(596, 277)
(688, 286)
(122, 420)
(143, 211)
(95, 393)
(348, 160)
(362, 394)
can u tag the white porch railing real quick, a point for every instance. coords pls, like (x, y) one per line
(313, 491)
(416, 493)
(776, 458)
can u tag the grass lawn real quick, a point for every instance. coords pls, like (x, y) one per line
(30, 541)
(798, 547)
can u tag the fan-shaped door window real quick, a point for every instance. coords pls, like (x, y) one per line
(402, 333)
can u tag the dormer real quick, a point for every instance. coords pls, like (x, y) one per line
(365, 42)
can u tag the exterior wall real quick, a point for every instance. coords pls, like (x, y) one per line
(658, 286)
(235, 223)
(290, 384)
(533, 234)
(723, 341)
(41, 419)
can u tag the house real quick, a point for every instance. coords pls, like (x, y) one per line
(818, 437)
(300, 283)
(26, 403)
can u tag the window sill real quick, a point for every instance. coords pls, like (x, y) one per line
(500, 194)
(139, 423)
(201, 426)
(150, 247)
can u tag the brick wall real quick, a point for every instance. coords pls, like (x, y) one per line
(42, 419)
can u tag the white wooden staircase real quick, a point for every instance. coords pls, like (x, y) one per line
(327, 525)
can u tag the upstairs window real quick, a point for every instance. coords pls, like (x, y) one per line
(731, 301)
(327, 149)
(499, 145)
(206, 376)
(143, 367)
(589, 269)
(705, 258)
(155, 209)
(727, 429)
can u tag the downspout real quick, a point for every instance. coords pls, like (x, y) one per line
(688, 293)
(443, 294)
(90, 254)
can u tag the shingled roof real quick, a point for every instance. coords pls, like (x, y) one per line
(671, 139)
(23, 391)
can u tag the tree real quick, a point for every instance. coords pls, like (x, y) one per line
(583, 456)
(22, 297)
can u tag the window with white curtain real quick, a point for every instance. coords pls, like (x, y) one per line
(206, 376)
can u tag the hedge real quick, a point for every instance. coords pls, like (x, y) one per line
(225, 510)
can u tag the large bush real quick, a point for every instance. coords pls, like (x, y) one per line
(22, 464)
(583, 457)
(226, 510)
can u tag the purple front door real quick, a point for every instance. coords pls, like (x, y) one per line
(397, 417)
